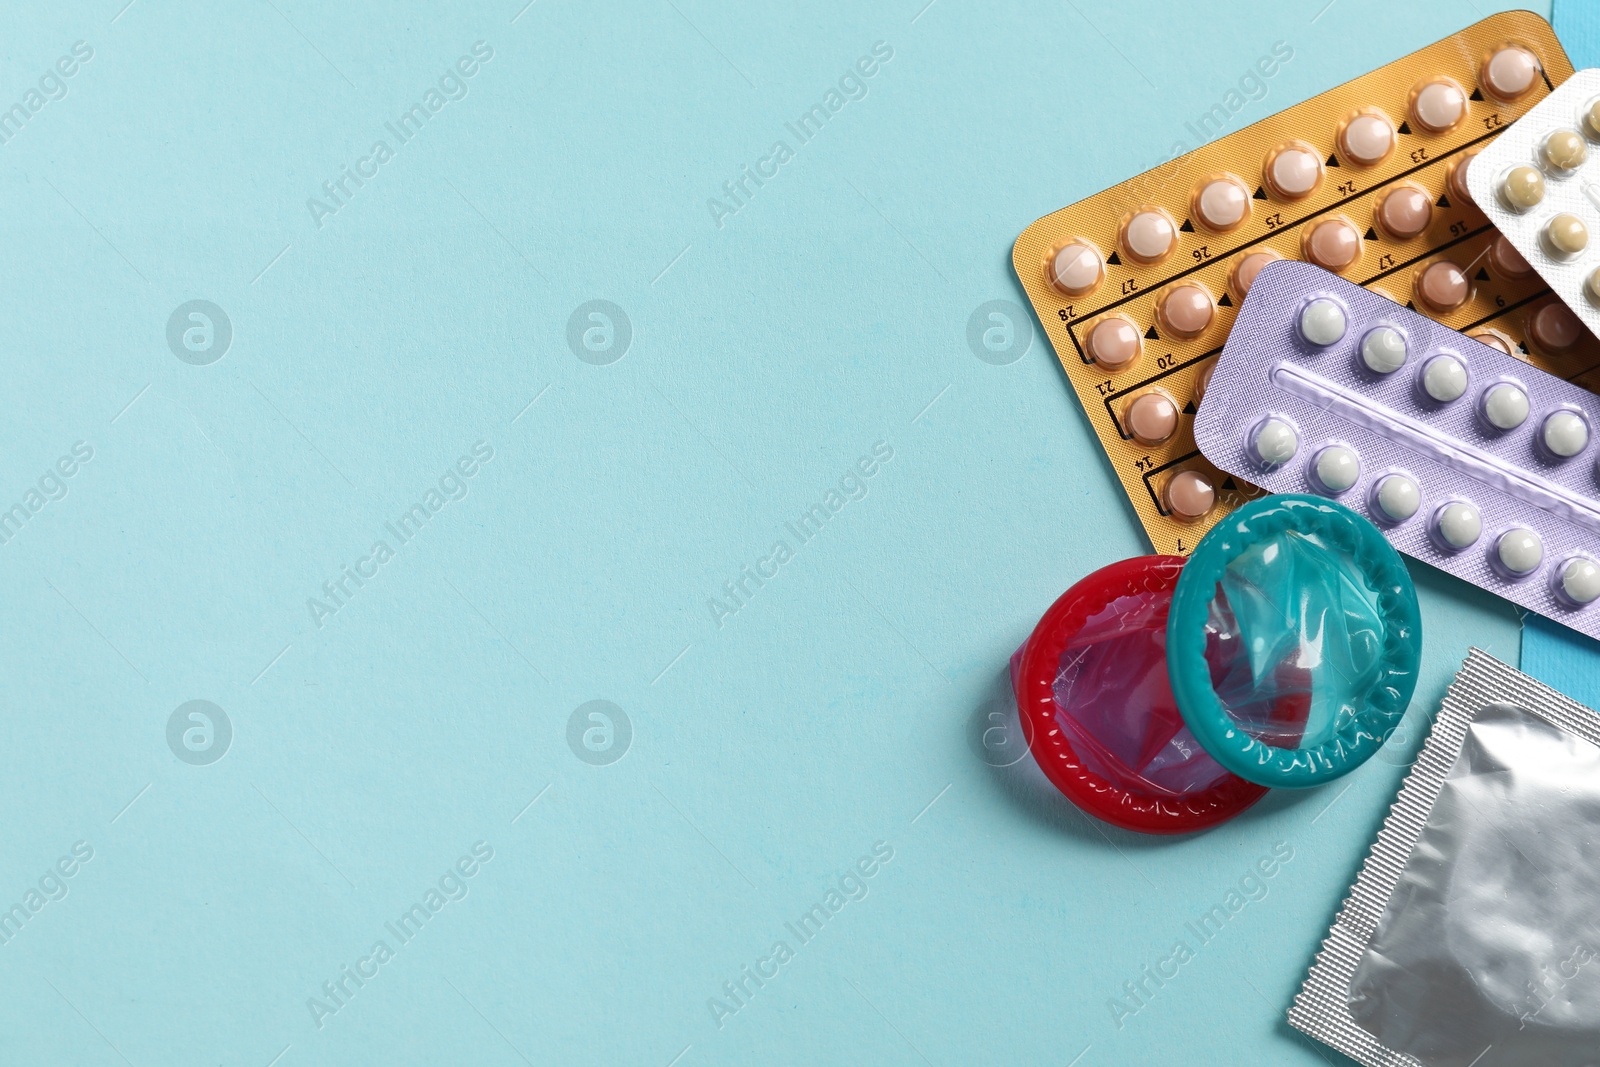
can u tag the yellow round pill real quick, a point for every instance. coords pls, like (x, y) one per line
(1522, 187)
(1566, 234)
(1564, 150)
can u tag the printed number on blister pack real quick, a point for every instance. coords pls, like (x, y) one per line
(1208, 216)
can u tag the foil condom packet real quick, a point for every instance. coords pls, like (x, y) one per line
(1166, 695)
(1472, 935)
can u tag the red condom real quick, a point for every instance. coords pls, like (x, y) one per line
(1098, 711)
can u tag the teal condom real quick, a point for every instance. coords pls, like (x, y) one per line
(1293, 601)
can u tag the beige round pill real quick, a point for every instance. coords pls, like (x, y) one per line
(1202, 380)
(1443, 286)
(1075, 268)
(1149, 236)
(1221, 204)
(1185, 311)
(1438, 105)
(1190, 495)
(1333, 244)
(1563, 150)
(1293, 171)
(1506, 261)
(1591, 287)
(1591, 119)
(1555, 329)
(1522, 188)
(1244, 272)
(1565, 235)
(1509, 73)
(1113, 343)
(1367, 139)
(1151, 418)
(1405, 212)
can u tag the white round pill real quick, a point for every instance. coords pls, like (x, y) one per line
(1439, 106)
(1337, 468)
(1275, 442)
(1222, 204)
(1294, 172)
(1398, 498)
(1520, 551)
(1505, 406)
(1322, 322)
(1149, 236)
(1368, 139)
(1076, 268)
(1444, 378)
(1580, 580)
(1565, 434)
(1458, 524)
(1383, 350)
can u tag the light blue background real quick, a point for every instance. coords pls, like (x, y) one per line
(767, 355)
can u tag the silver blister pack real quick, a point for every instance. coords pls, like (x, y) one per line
(1539, 183)
(1472, 935)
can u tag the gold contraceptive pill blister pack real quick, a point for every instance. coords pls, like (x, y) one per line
(1138, 285)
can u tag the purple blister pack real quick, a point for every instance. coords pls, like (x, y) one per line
(1466, 458)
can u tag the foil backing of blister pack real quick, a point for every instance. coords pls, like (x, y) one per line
(1471, 937)
(1445, 454)
(1552, 152)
